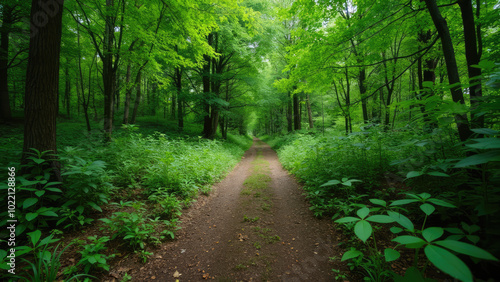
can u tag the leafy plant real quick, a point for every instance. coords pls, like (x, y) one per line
(91, 256)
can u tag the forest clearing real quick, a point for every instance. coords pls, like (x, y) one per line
(246, 140)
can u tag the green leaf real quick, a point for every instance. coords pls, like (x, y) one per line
(363, 212)
(437, 173)
(39, 193)
(466, 249)
(428, 209)
(378, 202)
(29, 202)
(381, 219)
(396, 229)
(412, 274)
(350, 181)
(91, 259)
(402, 220)
(454, 230)
(479, 159)
(48, 213)
(441, 203)
(412, 174)
(363, 230)
(409, 241)
(391, 254)
(35, 236)
(403, 202)
(95, 206)
(485, 131)
(432, 233)
(330, 183)
(53, 189)
(485, 143)
(448, 263)
(351, 254)
(424, 196)
(347, 219)
(30, 216)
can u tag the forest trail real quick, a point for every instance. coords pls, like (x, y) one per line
(254, 226)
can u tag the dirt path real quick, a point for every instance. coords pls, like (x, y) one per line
(255, 226)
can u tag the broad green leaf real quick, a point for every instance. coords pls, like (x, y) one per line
(54, 189)
(441, 203)
(409, 241)
(403, 202)
(479, 159)
(35, 236)
(29, 202)
(91, 259)
(485, 143)
(347, 219)
(391, 254)
(351, 254)
(402, 220)
(424, 196)
(30, 216)
(412, 274)
(396, 229)
(381, 219)
(467, 249)
(432, 233)
(39, 193)
(363, 230)
(454, 230)
(428, 209)
(48, 213)
(437, 173)
(378, 202)
(95, 206)
(448, 263)
(412, 174)
(350, 181)
(485, 131)
(363, 212)
(330, 183)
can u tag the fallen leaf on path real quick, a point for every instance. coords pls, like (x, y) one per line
(177, 274)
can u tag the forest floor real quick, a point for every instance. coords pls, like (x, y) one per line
(255, 226)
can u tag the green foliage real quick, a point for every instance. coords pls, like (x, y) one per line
(91, 256)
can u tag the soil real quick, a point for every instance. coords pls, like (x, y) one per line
(242, 232)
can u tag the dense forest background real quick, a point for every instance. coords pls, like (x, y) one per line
(153, 101)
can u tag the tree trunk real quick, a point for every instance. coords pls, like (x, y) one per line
(180, 99)
(309, 112)
(362, 92)
(42, 82)
(67, 91)
(472, 56)
(296, 112)
(108, 73)
(128, 94)
(462, 122)
(137, 96)
(289, 114)
(5, 111)
(207, 124)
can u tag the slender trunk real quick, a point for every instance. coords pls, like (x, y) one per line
(42, 83)
(472, 56)
(67, 91)
(207, 125)
(5, 111)
(128, 94)
(309, 112)
(108, 73)
(289, 114)
(462, 122)
(137, 96)
(180, 99)
(296, 112)
(362, 93)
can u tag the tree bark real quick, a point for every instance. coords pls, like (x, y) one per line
(138, 96)
(309, 112)
(296, 112)
(462, 122)
(5, 111)
(362, 92)
(128, 94)
(108, 72)
(42, 82)
(180, 99)
(289, 114)
(472, 57)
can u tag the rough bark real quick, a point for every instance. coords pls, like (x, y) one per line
(138, 96)
(108, 72)
(296, 112)
(462, 122)
(362, 92)
(128, 94)
(472, 57)
(289, 114)
(42, 81)
(5, 111)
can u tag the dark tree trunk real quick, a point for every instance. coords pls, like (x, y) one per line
(180, 99)
(128, 94)
(296, 112)
(5, 111)
(362, 93)
(309, 112)
(207, 123)
(462, 122)
(289, 114)
(67, 91)
(472, 56)
(42, 82)
(108, 72)
(138, 96)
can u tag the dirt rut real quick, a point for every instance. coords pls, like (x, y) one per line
(255, 226)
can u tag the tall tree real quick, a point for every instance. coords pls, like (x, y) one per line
(42, 80)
